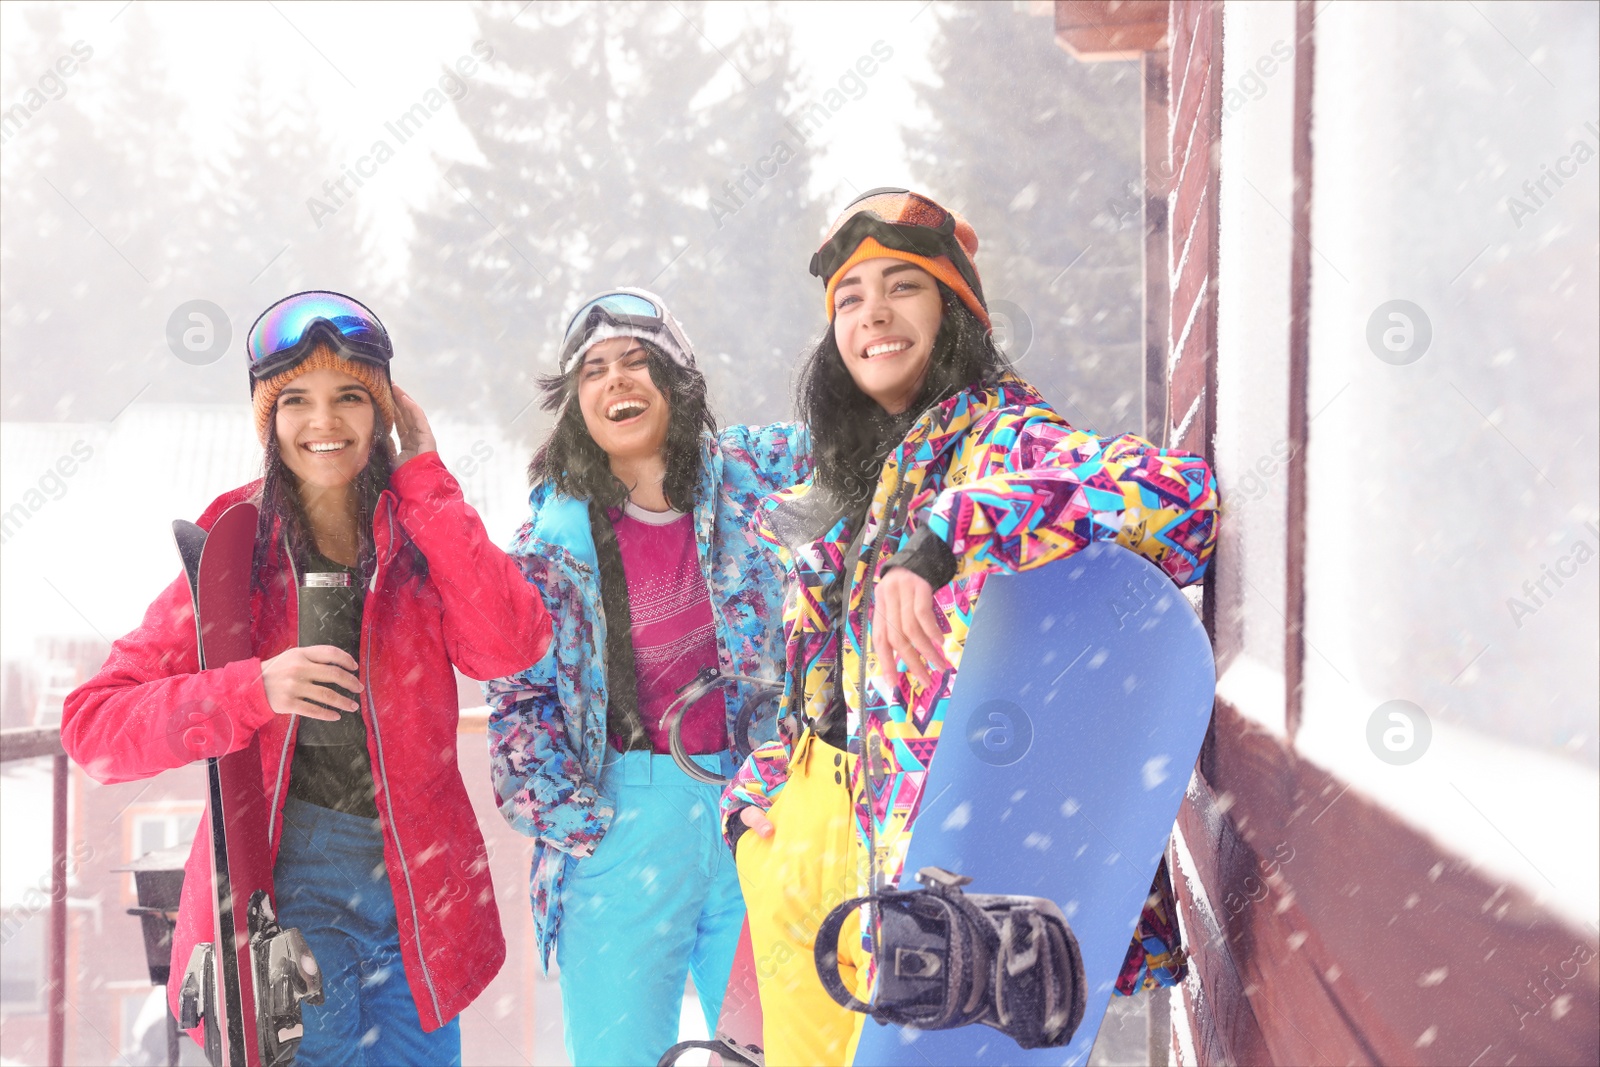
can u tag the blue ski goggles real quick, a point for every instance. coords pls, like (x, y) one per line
(623, 312)
(287, 332)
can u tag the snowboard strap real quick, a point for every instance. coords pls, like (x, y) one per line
(760, 690)
(827, 956)
(948, 959)
(731, 1052)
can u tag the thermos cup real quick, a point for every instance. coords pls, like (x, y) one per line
(330, 614)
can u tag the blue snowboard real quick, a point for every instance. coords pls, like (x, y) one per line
(1084, 695)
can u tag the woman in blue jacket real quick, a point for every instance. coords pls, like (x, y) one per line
(638, 542)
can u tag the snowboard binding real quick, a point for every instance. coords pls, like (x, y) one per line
(746, 724)
(947, 959)
(285, 974)
(732, 1053)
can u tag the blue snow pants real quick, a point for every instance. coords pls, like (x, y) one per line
(331, 883)
(659, 899)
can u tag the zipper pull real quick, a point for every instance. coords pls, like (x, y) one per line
(879, 852)
(874, 755)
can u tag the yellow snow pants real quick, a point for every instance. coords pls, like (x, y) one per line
(791, 881)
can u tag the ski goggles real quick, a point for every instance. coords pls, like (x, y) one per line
(287, 332)
(898, 219)
(624, 313)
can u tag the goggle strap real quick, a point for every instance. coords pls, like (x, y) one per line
(577, 338)
(910, 235)
(323, 332)
(671, 342)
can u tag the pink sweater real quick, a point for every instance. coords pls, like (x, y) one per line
(674, 634)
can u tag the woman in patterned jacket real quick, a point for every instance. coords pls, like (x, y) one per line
(638, 541)
(936, 466)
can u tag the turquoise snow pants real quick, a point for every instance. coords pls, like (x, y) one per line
(658, 900)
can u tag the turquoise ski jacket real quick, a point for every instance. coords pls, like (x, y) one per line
(547, 725)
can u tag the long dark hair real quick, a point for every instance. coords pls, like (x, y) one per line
(576, 465)
(851, 435)
(283, 514)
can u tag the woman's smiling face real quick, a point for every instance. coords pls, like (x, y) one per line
(623, 410)
(324, 422)
(885, 318)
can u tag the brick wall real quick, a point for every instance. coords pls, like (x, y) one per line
(1194, 110)
(1322, 928)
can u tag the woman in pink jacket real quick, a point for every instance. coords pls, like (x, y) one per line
(377, 855)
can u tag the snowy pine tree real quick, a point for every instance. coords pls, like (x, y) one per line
(602, 136)
(258, 233)
(63, 222)
(754, 306)
(1041, 153)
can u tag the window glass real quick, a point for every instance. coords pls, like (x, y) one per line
(1451, 559)
(1453, 467)
(22, 964)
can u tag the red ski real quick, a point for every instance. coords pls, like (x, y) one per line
(245, 987)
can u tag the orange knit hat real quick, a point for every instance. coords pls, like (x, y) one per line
(265, 394)
(900, 224)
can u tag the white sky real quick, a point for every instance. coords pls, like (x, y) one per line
(364, 63)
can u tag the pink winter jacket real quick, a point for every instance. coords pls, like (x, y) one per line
(471, 608)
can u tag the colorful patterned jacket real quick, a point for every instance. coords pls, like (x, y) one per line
(547, 725)
(1005, 484)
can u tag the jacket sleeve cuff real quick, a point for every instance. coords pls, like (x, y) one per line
(926, 556)
(428, 465)
(242, 681)
(736, 829)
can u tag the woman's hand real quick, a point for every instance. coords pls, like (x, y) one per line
(416, 436)
(291, 679)
(905, 626)
(757, 820)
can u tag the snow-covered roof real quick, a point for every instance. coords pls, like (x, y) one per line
(88, 507)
